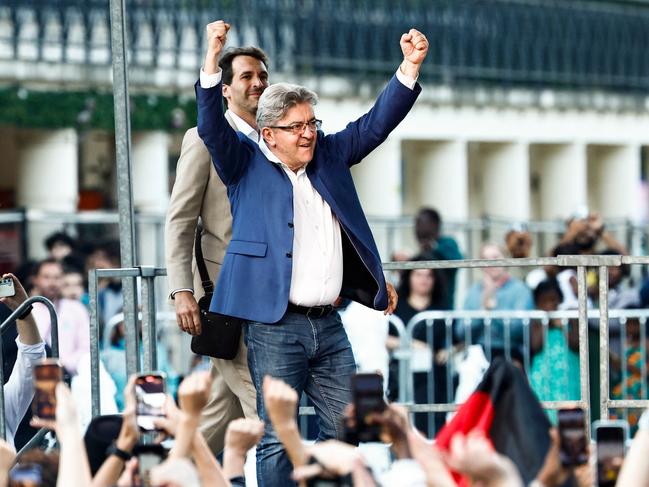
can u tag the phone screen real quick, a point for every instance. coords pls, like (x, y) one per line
(572, 434)
(610, 454)
(25, 476)
(7, 288)
(150, 396)
(367, 390)
(47, 373)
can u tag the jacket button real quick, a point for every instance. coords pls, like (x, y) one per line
(289, 255)
(290, 224)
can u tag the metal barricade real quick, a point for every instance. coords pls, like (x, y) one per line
(54, 338)
(581, 263)
(147, 274)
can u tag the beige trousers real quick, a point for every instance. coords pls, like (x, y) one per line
(233, 393)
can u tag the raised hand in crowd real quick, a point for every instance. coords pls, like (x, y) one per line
(7, 457)
(280, 401)
(193, 394)
(473, 456)
(74, 470)
(554, 474)
(329, 459)
(242, 435)
(27, 329)
(431, 461)
(182, 423)
(217, 33)
(129, 434)
(394, 429)
(177, 472)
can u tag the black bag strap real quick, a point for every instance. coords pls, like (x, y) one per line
(208, 285)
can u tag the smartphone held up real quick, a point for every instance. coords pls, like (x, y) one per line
(611, 439)
(7, 288)
(47, 374)
(572, 437)
(150, 394)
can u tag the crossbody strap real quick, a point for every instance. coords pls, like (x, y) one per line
(208, 285)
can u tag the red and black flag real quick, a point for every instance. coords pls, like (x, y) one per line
(506, 410)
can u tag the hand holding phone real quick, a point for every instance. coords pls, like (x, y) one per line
(47, 374)
(150, 396)
(611, 438)
(367, 392)
(572, 437)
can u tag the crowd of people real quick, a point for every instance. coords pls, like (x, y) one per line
(265, 228)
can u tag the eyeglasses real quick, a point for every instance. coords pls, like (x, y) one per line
(298, 128)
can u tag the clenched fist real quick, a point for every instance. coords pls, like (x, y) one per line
(217, 33)
(414, 47)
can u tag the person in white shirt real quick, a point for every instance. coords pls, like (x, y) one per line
(19, 390)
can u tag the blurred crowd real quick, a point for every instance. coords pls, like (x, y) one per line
(552, 349)
(62, 278)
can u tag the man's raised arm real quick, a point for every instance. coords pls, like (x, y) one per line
(362, 136)
(229, 153)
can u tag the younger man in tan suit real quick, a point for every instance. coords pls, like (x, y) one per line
(199, 192)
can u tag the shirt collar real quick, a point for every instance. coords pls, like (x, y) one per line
(273, 158)
(244, 127)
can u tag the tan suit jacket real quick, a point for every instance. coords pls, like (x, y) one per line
(199, 192)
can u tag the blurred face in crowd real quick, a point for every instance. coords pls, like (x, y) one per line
(490, 252)
(72, 286)
(426, 230)
(249, 80)
(49, 280)
(548, 301)
(60, 250)
(422, 282)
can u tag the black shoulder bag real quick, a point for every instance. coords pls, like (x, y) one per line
(220, 334)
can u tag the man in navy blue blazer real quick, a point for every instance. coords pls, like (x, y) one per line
(300, 238)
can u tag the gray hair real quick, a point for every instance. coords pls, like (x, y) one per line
(277, 99)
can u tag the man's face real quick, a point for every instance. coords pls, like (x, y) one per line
(249, 80)
(48, 281)
(294, 150)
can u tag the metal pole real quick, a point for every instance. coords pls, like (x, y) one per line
(124, 185)
(583, 345)
(94, 344)
(149, 319)
(603, 342)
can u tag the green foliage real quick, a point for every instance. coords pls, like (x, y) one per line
(93, 110)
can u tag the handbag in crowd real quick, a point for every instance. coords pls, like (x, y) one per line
(220, 334)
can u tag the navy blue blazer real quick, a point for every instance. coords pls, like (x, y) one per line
(255, 279)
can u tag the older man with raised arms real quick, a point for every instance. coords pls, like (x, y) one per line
(300, 238)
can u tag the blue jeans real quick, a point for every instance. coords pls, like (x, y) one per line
(312, 355)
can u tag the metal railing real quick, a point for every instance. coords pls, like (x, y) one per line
(583, 315)
(147, 274)
(54, 338)
(460, 325)
(587, 45)
(391, 233)
(582, 263)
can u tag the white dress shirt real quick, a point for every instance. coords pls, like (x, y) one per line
(19, 389)
(317, 271)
